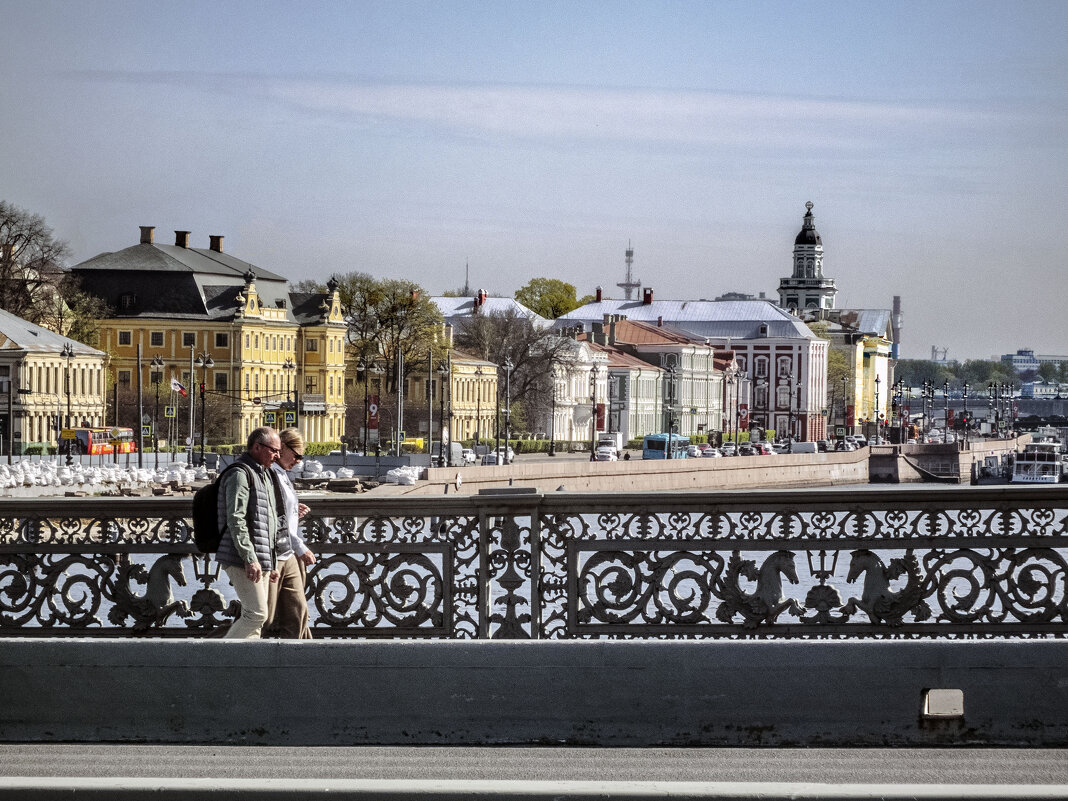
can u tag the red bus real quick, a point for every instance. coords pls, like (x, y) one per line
(98, 441)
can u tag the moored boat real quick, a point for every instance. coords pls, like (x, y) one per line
(1039, 463)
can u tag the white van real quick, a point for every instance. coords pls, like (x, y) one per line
(803, 447)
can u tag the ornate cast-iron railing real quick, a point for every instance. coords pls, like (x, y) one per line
(898, 562)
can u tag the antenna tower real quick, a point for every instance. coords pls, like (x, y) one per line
(630, 284)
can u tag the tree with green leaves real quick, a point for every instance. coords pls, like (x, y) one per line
(549, 297)
(389, 315)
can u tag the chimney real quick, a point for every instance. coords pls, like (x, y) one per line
(216, 242)
(598, 294)
(148, 234)
(647, 295)
(181, 239)
(660, 322)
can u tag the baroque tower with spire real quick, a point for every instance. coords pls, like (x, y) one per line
(807, 288)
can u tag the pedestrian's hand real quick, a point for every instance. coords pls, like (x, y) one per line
(274, 575)
(253, 572)
(308, 558)
(302, 509)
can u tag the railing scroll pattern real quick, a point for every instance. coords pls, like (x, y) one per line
(861, 563)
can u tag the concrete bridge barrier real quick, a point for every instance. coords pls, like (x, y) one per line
(603, 693)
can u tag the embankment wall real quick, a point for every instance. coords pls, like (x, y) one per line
(637, 475)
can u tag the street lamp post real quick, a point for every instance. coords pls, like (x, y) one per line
(790, 417)
(68, 354)
(508, 367)
(444, 373)
(478, 405)
(670, 412)
(552, 420)
(965, 418)
(945, 401)
(157, 367)
(844, 383)
(593, 417)
(878, 381)
(204, 361)
(290, 368)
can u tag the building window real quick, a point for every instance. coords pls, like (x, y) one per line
(127, 300)
(155, 377)
(125, 337)
(222, 340)
(246, 340)
(311, 345)
(155, 339)
(124, 377)
(189, 339)
(220, 381)
(256, 341)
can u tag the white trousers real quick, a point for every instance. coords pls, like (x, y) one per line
(253, 599)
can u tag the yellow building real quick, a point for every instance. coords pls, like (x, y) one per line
(266, 355)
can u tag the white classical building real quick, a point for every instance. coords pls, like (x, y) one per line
(781, 364)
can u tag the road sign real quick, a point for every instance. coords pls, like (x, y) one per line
(268, 418)
(291, 418)
(170, 411)
(68, 433)
(146, 431)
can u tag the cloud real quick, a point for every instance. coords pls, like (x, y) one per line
(641, 115)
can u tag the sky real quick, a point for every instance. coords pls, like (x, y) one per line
(536, 139)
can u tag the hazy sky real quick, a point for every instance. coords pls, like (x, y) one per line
(535, 139)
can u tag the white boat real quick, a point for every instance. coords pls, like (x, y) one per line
(1039, 463)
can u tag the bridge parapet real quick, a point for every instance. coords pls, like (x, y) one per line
(983, 562)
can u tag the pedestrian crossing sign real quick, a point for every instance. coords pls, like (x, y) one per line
(170, 411)
(291, 418)
(268, 418)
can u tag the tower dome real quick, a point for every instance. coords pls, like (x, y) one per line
(808, 287)
(808, 235)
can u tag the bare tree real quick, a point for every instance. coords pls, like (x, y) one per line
(511, 336)
(31, 263)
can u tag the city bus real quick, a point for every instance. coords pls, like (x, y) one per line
(97, 441)
(655, 446)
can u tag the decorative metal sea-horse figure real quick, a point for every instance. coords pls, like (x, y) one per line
(882, 604)
(767, 602)
(158, 603)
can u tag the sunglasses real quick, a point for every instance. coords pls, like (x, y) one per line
(272, 449)
(297, 456)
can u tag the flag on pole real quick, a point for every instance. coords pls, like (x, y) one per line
(177, 387)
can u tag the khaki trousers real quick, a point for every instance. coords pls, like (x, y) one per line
(253, 599)
(287, 608)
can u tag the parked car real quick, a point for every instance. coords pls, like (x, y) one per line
(860, 440)
(781, 447)
(711, 453)
(763, 449)
(606, 453)
(844, 445)
(728, 449)
(489, 459)
(823, 445)
(468, 456)
(692, 450)
(703, 446)
(745, 449)
(506, 454)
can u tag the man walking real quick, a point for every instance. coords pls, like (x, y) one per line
(247, 550)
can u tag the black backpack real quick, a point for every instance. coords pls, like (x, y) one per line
(207, 527)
